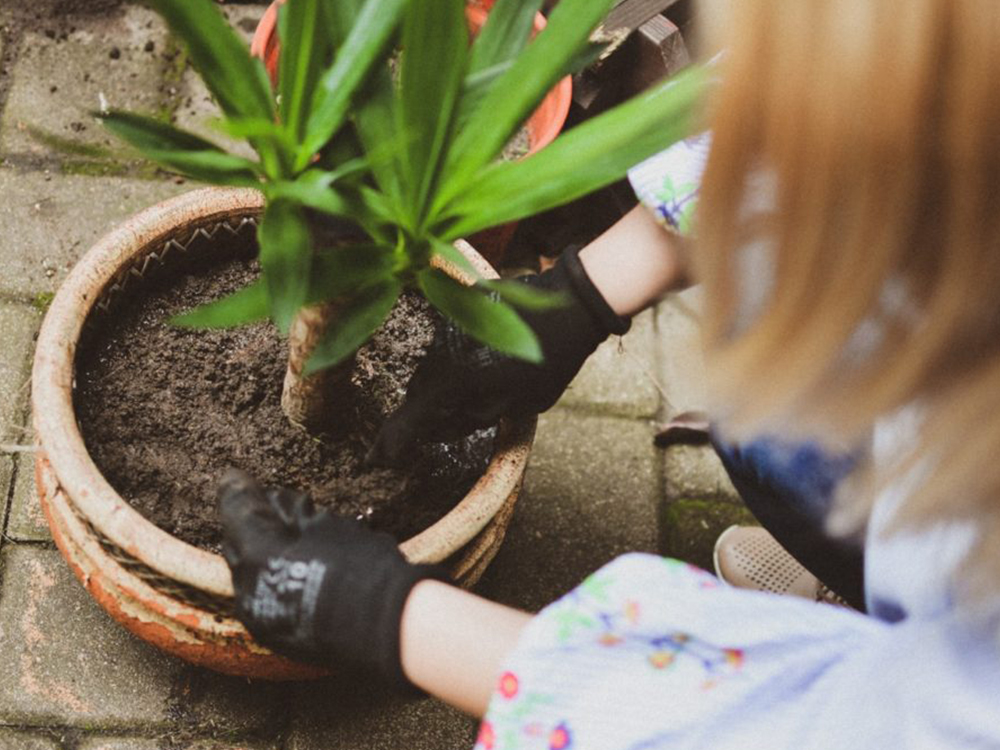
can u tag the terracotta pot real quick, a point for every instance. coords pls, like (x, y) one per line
(543, 125)
(167, 592)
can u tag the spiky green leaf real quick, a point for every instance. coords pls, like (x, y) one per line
(354, 324)
(313, 189)
(180, 150)
(478, 84)
(588, 55)
(361, 51)
(522, 295)
(384, 145)
(257, 129)
(512, 98)
(343, 270)
(319, 191)
(435, 52)
(452, 255)
(339, 16)
(487, 320)
(248, 305)
(286, 259)
(305, 52)
(238, 82)
(582, 160)
(505, 33)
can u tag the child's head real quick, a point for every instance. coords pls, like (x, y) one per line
(870, 130)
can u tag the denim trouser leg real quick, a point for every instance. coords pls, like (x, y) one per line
(789, 490)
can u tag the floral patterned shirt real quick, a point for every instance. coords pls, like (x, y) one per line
(653, 653)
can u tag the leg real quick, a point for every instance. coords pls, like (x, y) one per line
(789, 489)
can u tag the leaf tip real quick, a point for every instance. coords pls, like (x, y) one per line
(185, 320)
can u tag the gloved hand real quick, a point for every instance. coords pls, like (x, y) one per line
(462, 385)
(313, 585)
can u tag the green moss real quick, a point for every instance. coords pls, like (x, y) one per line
(68, 146)
(690, 526)
(41, 301)
(173, 78)
(136, 168)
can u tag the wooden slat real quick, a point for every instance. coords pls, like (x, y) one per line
(659, 52)
(631, 14)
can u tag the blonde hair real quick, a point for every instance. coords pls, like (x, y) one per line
(878, 123)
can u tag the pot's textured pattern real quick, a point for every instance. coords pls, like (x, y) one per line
(72, 677)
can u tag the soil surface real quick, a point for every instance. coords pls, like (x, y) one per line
(517, 146)
(165, 410)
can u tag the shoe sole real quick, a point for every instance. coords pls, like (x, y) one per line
(715, 553)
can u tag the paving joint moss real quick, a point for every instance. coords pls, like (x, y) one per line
(689, 527)
(126, 164)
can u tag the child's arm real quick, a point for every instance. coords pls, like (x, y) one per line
(636, 262)
(453, 643)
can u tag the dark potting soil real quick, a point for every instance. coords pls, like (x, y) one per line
(518, 146)
(165, 410)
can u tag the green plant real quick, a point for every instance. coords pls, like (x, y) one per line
(408, 162)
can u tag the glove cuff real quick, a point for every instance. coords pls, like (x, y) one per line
(589, 296)
(389, 622)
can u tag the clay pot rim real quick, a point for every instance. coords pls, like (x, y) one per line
(545, 122)
(58, 434)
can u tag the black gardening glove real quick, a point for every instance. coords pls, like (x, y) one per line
(313, 585)
(462, 385)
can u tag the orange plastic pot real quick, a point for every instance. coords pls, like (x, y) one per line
(543, 125)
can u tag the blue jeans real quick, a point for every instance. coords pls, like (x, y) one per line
(789, 488)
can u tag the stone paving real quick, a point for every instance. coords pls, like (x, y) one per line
(72, 679)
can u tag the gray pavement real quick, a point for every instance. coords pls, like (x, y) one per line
(72, 679)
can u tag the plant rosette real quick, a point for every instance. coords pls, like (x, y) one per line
(169, 593)
(542, 126)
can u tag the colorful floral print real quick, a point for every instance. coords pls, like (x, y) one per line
(608, 617)
(668, 183)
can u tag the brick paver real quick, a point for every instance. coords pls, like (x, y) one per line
(342, 714)
(590, 494)
(681, 366)
(47, 222)
(18, 324)
(13, 739)
(26, 522)
(620, 377)
(69, 664)
(694, 471)
(196, 111)
(58, 82)
(169, 742)
(690, 527)
(6, 474)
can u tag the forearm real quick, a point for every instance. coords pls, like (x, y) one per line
(453, 643)
(635, 262)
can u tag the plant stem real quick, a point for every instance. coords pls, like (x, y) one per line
(309, 401)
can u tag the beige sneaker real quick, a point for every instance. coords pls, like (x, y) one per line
(748, 557)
